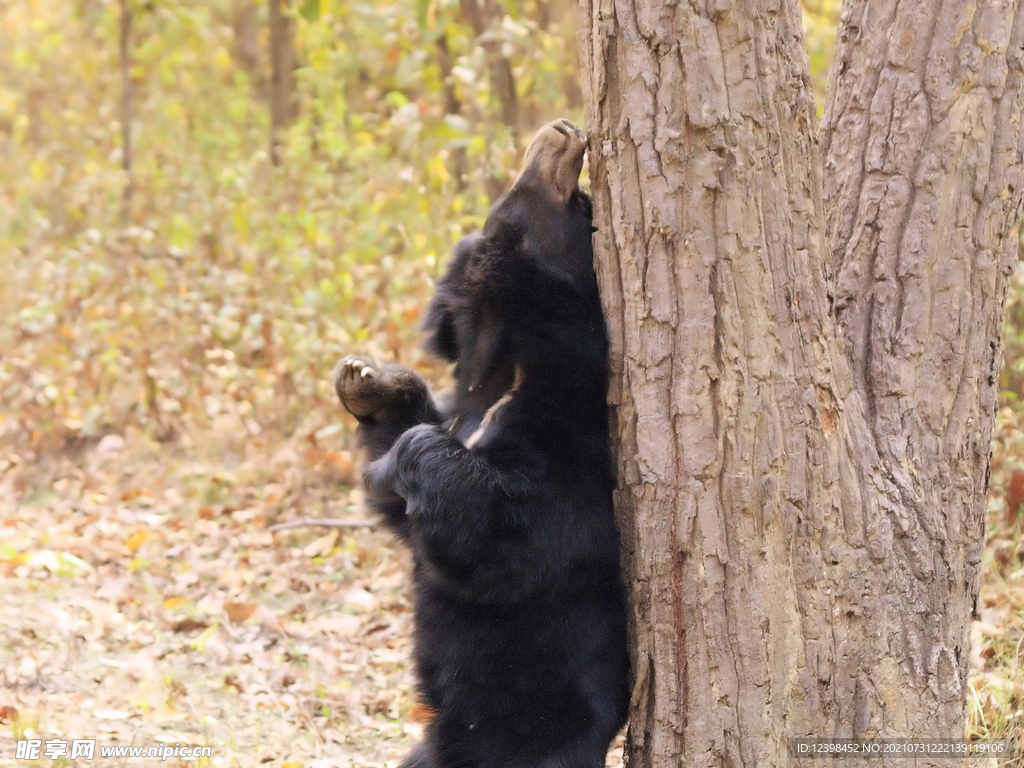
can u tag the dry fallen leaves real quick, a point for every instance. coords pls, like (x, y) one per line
(188, 617)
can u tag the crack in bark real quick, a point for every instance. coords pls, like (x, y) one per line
(840, 240)
(914, 175)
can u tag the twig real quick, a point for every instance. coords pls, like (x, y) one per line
(323, 522)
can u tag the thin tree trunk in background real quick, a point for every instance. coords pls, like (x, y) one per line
(282, 74)
(484, 19)
(801, 509)
(487, 19)
(551, 16)
(245, 49)
(452, 106)
(126, 110)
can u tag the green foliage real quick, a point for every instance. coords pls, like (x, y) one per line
(219, 305)
(821, 17)
(1012, 378)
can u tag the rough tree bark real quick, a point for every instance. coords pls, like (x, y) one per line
(805, 411)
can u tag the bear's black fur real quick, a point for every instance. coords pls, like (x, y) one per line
(504, 492)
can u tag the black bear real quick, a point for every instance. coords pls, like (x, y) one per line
(504, 490)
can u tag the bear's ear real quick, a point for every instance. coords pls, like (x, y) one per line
(443, 310)
(440, 324)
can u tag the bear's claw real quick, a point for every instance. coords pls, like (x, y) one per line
(357, 382)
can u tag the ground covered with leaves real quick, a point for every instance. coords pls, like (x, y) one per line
(144, 601)
(995, 703)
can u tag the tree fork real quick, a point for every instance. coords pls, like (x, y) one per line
(804, 434)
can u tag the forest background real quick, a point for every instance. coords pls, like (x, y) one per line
(175, 289)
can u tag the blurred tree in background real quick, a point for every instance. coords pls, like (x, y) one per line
(219, 303)
(211, 291)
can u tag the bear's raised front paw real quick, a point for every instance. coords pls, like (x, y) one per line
(362, 386)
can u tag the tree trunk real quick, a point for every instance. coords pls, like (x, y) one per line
(282, 73)
(801, 500)
(484, 17)
(452, 106)
(245, 47)
(923, 196)
(124, 47)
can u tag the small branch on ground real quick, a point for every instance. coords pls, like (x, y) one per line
(324, 522)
